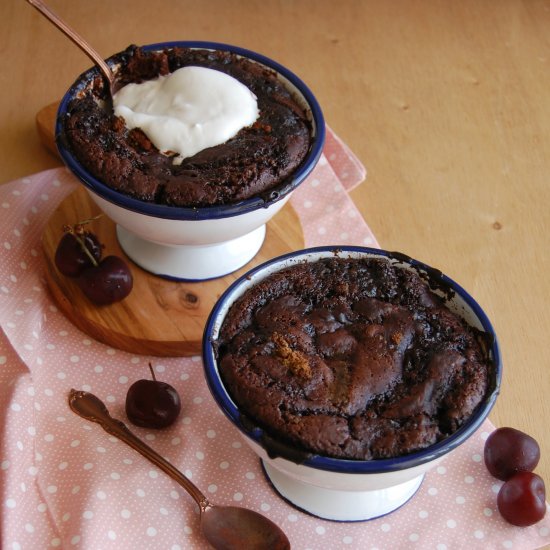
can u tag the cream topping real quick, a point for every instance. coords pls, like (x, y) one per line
(187, 111)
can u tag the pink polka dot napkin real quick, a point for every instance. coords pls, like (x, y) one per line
(65, 483)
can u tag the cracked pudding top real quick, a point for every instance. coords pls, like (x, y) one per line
(258, 158)
(352, 358)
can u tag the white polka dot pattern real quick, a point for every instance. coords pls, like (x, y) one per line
(327, 214)
(67, 484)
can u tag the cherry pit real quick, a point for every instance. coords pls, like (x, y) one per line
(79, 255)
(511, 456)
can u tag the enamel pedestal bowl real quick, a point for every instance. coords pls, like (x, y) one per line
(331, 488)
(195, 244)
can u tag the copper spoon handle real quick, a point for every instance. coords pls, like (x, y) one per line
(90, 407)
(76, 38)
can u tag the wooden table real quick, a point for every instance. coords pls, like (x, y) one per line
(446, 103)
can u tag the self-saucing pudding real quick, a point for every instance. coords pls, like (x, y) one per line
(190, 127)
(352, 358)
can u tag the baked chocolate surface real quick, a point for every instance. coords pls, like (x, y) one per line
(256, 160)
(352, 358)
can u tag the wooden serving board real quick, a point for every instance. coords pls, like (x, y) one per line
(45, 126)
(160, 317)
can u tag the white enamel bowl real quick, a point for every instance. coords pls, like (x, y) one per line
(336, 489)
(194, 243)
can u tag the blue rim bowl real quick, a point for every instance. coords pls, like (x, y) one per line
(187, 213)
(346, 466)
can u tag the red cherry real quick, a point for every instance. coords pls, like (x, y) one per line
(152, 404)
(508, 451)
(109, 282)
(71, 258)
(521, 500)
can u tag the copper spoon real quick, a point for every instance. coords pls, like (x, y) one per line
(224, 527)
(78, 40)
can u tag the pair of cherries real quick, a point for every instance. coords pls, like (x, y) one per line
(103, 280)
(511, 456)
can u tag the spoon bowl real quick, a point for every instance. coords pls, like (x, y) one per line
(224, 527)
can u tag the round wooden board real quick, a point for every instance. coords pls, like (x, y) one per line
(160, 317)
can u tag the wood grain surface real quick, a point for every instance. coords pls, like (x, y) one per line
(446, 103)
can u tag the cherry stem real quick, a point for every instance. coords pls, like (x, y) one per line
(76, 231)
(85, 248)
(90, 220)
(152, 372)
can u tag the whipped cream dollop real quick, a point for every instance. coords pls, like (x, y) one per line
(188, 110)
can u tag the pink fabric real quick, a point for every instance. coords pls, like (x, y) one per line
(65, 483)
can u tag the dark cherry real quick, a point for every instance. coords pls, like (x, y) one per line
(71, 259)
(109, 282)
(152, 404)
(508, 451)
(521, 500)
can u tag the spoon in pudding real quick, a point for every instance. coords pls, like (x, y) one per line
(224, 527)
(78, 40)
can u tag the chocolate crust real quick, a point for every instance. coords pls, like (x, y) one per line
(256, 160)
(352, 358)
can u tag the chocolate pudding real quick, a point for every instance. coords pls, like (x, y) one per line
(352, 358)
(260, 157)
